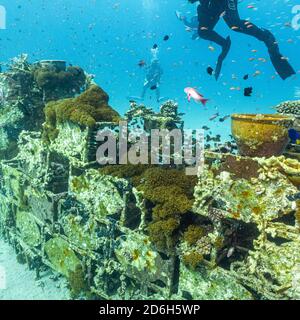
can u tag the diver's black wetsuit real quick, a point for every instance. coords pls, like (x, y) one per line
(209, 13)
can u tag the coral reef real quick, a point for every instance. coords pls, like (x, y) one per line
(170, 192)
(261, 208)
(143, 117)
(210, 284)
(193, 234)
(144, 227)
(289, 107)
(143, 231)
(25, 89)
(77, 282)
(85, 110)
(50, 81)
(193, 259)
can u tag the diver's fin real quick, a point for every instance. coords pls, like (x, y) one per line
(282, 66)
(222, 57)
(218, 68)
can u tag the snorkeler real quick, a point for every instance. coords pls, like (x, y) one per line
(153, 76)
(209, 13)
(191, 25)
(152, 80)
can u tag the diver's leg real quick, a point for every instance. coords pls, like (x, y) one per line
(208, 18)
(158, 97)
(157, 94)
(209, 15)
(145, 88)
(222, 57)
(234, 21)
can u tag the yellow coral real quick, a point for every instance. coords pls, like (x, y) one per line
(163, 233)
(169, 190)
(193, 259)
(193, 234)
(85, 110)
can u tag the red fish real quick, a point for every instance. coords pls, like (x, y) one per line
(194, 94)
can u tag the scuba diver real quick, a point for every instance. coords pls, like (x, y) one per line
(152, 79)
(191, 25)
(209, 13)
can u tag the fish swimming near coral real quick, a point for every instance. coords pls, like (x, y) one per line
(210, 70)
(214, 116)
(294, 136)
(192, 93)
(224, 118)
(289, 107)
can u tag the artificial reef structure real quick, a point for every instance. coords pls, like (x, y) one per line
(142, 231)
(26, 88)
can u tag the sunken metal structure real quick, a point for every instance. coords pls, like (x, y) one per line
(239, 240)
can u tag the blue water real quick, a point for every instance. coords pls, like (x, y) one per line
(109, 38)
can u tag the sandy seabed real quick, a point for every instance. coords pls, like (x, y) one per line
(17, 282)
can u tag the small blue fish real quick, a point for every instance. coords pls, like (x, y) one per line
(294, 135)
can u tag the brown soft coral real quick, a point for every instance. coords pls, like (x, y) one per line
(169, 201)
(193, 259)
(158, 176)
(73, 79)
(163, 233)
(171, 193)
(85, 110)
(193, 234)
